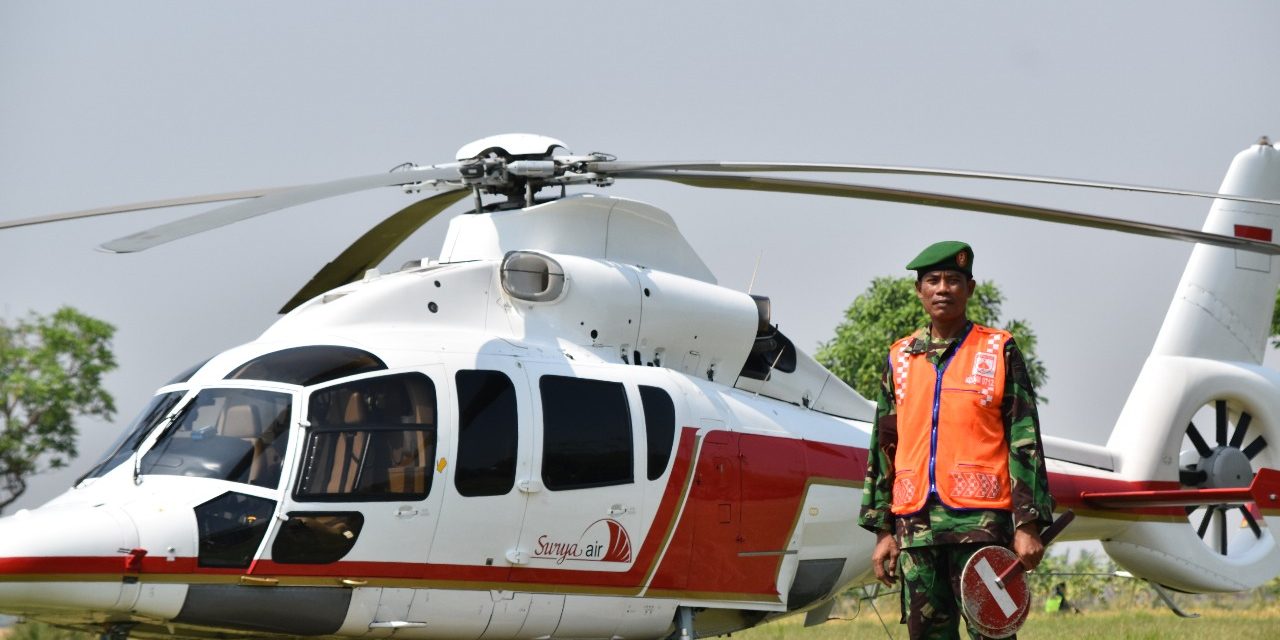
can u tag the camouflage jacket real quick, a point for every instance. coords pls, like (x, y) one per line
(937, 524)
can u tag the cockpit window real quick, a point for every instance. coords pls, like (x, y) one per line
(371, 439)
(238, 435)
(127, 444)
(308, 366)
(188, 372)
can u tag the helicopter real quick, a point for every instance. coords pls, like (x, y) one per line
(563, 427)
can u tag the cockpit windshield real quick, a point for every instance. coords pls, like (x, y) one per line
(238, 435)
(131, 438)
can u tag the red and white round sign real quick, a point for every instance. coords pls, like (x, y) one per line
(995, 607)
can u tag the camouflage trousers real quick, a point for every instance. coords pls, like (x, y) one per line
(931, 605)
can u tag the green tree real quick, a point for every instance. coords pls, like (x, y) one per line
(889, 310)
(51, 370)
(1275, 322)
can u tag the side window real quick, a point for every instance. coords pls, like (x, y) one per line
(659, 426)
(586, 433)
(370, 439)
(309, 537)
(488, 434)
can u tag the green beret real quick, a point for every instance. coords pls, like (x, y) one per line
(948, 255)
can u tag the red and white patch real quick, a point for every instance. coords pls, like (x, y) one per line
(984, 365)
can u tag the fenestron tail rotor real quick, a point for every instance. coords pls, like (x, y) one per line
(1225, 464)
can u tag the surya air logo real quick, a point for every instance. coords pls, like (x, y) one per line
(604, 540)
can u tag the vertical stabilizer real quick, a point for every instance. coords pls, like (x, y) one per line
(1222, 309)
(1204, 413)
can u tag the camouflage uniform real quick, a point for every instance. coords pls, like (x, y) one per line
(937, 541)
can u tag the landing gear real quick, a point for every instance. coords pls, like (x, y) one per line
(117, 630)
(684, 624)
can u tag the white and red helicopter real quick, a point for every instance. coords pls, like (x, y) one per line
(563, 428)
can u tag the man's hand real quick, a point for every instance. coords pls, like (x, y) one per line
(885, 558)
(1026, 543)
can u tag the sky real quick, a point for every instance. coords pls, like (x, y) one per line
(109, 103)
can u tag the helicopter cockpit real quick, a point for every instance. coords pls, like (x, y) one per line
(228, 432)
(368, 436)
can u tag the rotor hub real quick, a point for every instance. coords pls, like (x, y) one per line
(1227, 467)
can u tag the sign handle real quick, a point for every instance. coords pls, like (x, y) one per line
(1049, 534)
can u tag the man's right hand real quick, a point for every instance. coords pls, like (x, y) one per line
(885, 558)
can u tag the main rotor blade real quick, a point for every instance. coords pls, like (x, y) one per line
(143, 206)
(619, 169)
(223, 216)
(911, 196)
(374, 246)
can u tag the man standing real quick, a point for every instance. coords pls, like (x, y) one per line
(955, 460)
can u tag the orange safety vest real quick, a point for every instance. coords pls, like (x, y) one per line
(951, 436)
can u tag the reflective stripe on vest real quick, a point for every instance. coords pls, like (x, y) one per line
(951, 438)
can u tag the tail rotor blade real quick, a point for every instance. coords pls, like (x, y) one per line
(374, 246)
(1222, 531)
(1249, 519)
(1197, 441)
(1220, 414)
(1259, 443)
(1204, 522)
(223, 216)
(1242, 427)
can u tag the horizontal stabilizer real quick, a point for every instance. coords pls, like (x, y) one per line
(1264, 490)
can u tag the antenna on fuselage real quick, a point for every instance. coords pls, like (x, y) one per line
(756, 270)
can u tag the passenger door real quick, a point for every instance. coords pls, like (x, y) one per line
(584, 492)
(364, 487)
(483, 456)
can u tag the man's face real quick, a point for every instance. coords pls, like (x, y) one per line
(944, 295)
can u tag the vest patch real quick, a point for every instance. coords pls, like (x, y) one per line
(975, 484)
(904, 491)
(984, 365)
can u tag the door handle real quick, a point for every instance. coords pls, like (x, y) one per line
(617, 510)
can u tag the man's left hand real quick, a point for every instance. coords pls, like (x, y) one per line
(1026, 543)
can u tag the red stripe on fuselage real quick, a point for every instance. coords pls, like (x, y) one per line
(761, 479)
(767, 483)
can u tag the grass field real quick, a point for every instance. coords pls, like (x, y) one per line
(1132, 625)
(1217, 624)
